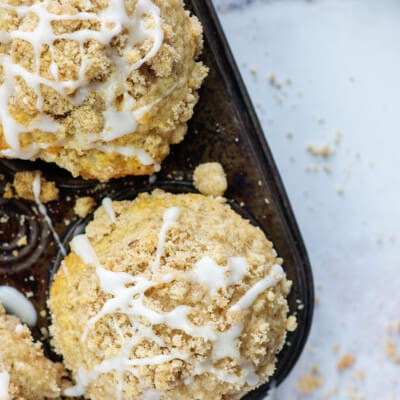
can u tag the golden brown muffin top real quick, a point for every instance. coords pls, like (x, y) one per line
(91, 78)
(171, 296)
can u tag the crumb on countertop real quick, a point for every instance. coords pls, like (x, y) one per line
(391, 351)
(324, 151)
(310, 382)
(23, 182)
(84, 206)
(210, 179)
(346, 362)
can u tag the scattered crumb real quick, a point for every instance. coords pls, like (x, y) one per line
(391, 351)
(22, 241)
(324, 151)
(8, 191)
(345, 362)
(338, 137)
(360, 375)
(290, 135)
(253, 71)
(327, 169)
(316, 301)
(210, 179)
(330, 393)
(84, 206)
(311, 349)
(291, 324)
(335, 348)
(23, 182)
(273, 81)
(308, 383)
(340, 190)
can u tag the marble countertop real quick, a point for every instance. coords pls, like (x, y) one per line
(335, 87)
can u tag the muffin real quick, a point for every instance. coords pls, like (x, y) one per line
(102, 88)
(169, 297)
(25, 373)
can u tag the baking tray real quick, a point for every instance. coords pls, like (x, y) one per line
(225, 129)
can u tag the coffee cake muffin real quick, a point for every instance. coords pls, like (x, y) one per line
(25, 373)
(102, 88)
(169, 297)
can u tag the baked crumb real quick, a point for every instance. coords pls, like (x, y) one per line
(8, 191)
(30, 373)
(84, 206)
(392, 352)
(360, 375)
(22, 241)
(330, 393)
(273, 81)
(23, 182)
(210, 179)
(324, 151)
(308, 383)
(291, 324)
(340, 190)
(345, 362)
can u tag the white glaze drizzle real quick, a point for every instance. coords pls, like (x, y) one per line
(42, 209)
(4, 383)
(128, 298)
(209, 273)
(108, 208)
(112, 21)
(170, 216)
(17, 304)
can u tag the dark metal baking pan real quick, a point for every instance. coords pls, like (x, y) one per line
(225, 129)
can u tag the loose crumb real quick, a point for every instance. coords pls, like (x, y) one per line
(340, 190)
(84, 206)
(392, 352)
(23, 182)
(210, 179)
(22, 241)
(291, 324)
(308, 383)
(360, 375)
(274, 81)
(335, 348)
(8, 191)
(346, 362)
(324, 151)
(338, 137)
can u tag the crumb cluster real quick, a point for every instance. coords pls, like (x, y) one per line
(22, 187)
(210, 179)
(32, 376)
(84, 206)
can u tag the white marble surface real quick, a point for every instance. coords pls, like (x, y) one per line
(343, 57)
